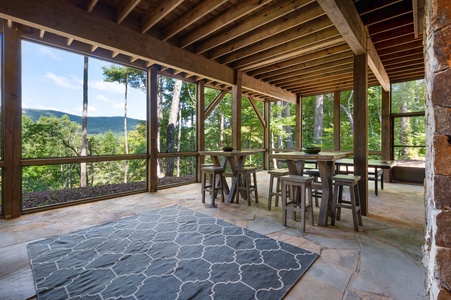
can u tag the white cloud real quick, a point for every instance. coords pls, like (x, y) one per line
(112, 87)
(63, 81)
(104, 99)
(47, 51)
(118, 105)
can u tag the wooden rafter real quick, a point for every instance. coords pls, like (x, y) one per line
(257, 112)
(346, 19)
(155, 15)
(236, 12)
(191, 16)
(91, 4)
(125, 9)
(215, 103)
(266, 22)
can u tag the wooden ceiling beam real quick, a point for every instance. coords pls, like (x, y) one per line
(91, 4)
(125, 9)
(318, 40)
(347, 20)
(300, 59)
(236, 12)
(256, 27)
(189, 17)
(67, 19)
(155, 15)
(279, 39)
(270, 90)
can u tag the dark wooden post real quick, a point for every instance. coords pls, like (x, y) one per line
(266, 138)
(236, 111)
(12, 125)
(337, 120)
(386, 137)
(361, 126)
(152, 128)
(298, 126)
(200, 124)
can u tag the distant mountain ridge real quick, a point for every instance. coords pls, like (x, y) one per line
(96, 125)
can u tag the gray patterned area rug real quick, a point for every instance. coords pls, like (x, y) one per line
(169, 253)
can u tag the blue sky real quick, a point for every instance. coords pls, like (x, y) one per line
(53, 79)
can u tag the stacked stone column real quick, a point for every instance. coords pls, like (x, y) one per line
(437, 47)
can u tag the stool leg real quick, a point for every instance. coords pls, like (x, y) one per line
(353, 207)
(221, 180)
(213, 189)
(302, 200)
(310, 204)
(203, 186)
(238, 184)
(247, 183)
(339, 200)
(255, 187)
(284, 204)
(359, 211)
(271, 182)
(278, 190)
(334, 205)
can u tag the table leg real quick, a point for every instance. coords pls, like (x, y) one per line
(326, 171)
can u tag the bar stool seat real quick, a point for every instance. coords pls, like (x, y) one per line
(274, 177)
(296, 203)
(351, 181)
(247, 183)
(212, 182)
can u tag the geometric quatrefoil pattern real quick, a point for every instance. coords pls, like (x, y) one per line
(169, 253)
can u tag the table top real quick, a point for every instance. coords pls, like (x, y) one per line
(231, 153)
(322, 156)
(383, 164)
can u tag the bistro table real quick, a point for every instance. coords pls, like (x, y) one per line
(235, 159)
(326, 166)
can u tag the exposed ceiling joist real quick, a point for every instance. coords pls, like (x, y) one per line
(347, 20)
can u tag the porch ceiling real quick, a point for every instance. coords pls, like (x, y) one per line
(283, 47)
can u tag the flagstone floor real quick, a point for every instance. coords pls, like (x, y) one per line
(382, 261)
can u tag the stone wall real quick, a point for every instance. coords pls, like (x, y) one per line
(437, 47)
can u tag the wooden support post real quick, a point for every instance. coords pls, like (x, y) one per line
(236, 111)
(387, 141)
(152, 128)
(266, 137)
(337, 120)
(361, 127)
(298, 125)
(12, 125)
(200, 125)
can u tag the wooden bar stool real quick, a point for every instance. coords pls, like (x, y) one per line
(316, 185)
(351, 181)
(246, 182)
(211, 184)
(274, 177)
(298, 203)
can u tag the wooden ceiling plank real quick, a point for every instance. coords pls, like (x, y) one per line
(155, 15)
(394, 11)
(189, 17)
(315, 75)
(125, 9)
(91, 4)
(300, 59)
(269, 14)
(365, 7)
(391, 24)
(312, 42)
(264, 88)
(400, 48)
(276, 29)
(309, 68)
(234, 13)
(318, 63)
(391, 34)
(347, 20)
(279, 39)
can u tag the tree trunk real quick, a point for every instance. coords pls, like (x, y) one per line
(288, 129)
(170, 132)
(84, 124)
(318, 127)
